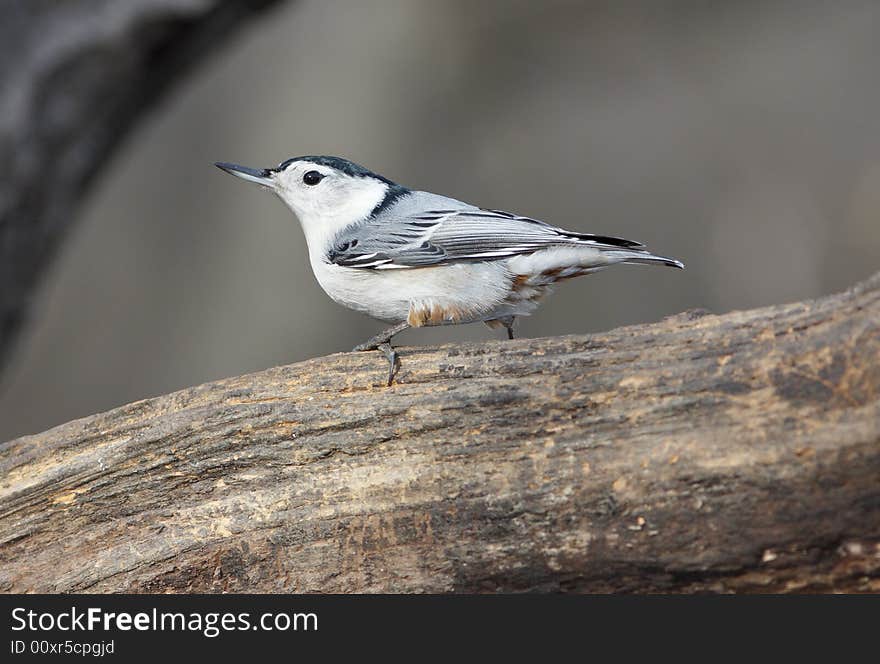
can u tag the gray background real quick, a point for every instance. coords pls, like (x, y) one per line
(740, 137)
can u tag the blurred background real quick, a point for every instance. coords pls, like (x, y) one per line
(742, 138)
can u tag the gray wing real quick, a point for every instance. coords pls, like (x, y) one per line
(433, 230)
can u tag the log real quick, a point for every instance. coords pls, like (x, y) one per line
(732, 453)
(75, 78)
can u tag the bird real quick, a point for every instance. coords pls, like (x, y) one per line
(413, 258)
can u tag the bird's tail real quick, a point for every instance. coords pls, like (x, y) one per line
(641, 256)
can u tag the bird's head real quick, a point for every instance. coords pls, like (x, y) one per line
(325, 193)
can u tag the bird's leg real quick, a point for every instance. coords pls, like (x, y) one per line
(391, 354)
(382, 338)
(507, 321)
(382, 342)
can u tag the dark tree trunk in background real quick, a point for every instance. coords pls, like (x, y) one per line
(75, 76)
(702, 453)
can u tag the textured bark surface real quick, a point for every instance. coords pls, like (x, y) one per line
(74, 77)
(701, 453)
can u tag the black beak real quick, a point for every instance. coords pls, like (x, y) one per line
(259, 175)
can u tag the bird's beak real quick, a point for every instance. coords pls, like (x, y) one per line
(261, 176)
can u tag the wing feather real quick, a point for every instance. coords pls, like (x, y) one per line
(419, 238)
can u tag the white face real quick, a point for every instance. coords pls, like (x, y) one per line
(324, 199)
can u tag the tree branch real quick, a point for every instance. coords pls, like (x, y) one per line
(722, 453)
(75, 76)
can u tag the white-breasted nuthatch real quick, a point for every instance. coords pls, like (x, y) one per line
(413, 258)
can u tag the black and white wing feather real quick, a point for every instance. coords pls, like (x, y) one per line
(420, 236)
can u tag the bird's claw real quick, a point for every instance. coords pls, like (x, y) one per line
(393, 361)
(389, 353)
(382, 341)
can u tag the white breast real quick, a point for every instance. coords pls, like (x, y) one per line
(473, 291)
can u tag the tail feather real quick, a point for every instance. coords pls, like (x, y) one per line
(608, 240)
(645, 258)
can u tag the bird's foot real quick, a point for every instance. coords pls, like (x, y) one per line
(393, 361)
(508, 322)
(388, 352)
(382, 342)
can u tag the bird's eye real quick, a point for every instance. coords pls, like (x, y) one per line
(312, 178)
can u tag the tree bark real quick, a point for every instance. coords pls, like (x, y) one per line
(701, 453)
(75, 76)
